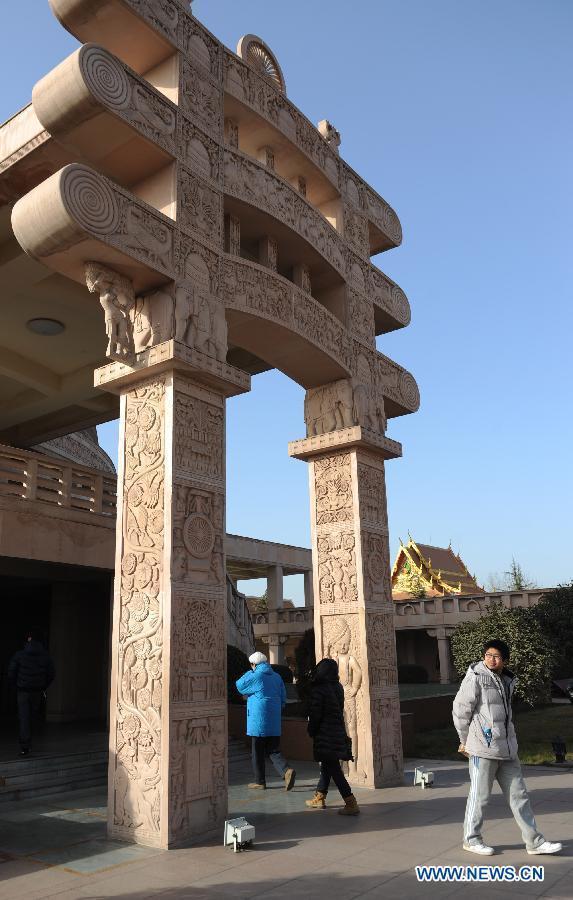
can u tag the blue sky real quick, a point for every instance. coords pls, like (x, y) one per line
(459, 114)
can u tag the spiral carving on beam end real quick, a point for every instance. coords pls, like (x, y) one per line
(401, 305)
(392, 224)
(89, 200)
(105, 78)
(409, 391)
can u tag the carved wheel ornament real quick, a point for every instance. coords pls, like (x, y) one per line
(198, 536)
(376, 566)
(256, 54)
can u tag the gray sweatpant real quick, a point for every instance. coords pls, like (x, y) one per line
(507, 773)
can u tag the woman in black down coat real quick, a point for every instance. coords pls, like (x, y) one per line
(331, 744)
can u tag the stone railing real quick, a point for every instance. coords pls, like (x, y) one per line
(31, 476)
(460, 607)
(410, 614)
(298, 619)
(239, 620)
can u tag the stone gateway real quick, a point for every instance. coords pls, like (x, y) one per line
(223, 235)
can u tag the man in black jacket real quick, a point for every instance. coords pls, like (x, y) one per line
(31, 671)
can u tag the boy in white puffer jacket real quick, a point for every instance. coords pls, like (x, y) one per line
(483, 720)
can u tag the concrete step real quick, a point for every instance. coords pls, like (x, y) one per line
(35, 775)
(238, 752)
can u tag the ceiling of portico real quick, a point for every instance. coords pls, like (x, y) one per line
(46, 380)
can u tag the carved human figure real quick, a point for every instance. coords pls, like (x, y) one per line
(350, 674)
(117, 300)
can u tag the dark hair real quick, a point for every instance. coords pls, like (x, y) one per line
(497, 645)
(326, 670)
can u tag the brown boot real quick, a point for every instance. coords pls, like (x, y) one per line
(317, 801)
(350, 807)
(289, 777)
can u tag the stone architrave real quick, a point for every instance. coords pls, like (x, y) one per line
(168, 729)
(353, 611)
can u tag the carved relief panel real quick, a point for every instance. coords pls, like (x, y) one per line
(387, 740)
(361, 317)
(333, 490)
(201, 99)
(198, 439)
(198, 774)
(356, 231)
(337, 578)
(198, 649)
(372, 493)
(198, 522)
(377, 587)
(200, 207)
(381, 652)
(138, 683)
(198, 151)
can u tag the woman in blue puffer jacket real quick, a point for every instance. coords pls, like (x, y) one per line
(266, 696)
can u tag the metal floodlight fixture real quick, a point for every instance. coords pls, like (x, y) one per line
(239, 833)
(425, 779)
(559, 749)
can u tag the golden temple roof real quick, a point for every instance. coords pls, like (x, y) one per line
(421, 570)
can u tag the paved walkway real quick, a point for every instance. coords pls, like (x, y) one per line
(57, 847)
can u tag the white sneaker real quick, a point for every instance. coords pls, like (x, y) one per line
(484, 850)
(546, 847)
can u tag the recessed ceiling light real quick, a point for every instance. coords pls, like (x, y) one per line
(46, 327)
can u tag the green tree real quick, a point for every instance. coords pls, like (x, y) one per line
(531, 650)
(516, 580)
(554, 612)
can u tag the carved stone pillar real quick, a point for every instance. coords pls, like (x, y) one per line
(168, 733)
(301, 277)
(233, 235)
(275, 588)
(444, 654)
(308, 593)
(266, 156)
(268, 252)
(232, 133)
(353, 610)
(276, 650)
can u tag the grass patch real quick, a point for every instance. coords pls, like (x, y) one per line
(535, 729)
(432, 689)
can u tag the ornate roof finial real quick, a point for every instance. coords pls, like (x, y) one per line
(330, 134)
(256, 53)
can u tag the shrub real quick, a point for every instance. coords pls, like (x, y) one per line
(412, 674)
(284, 672)
(237, 665)
(531, 652)
(554, 612)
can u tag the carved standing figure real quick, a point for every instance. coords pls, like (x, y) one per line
(350, 674)
(117, 301)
